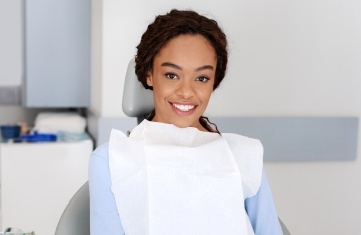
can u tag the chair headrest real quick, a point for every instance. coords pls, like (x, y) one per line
(137, 101)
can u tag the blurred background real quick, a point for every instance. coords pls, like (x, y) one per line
(288, 59)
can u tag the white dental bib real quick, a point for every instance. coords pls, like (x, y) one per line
(169, 180)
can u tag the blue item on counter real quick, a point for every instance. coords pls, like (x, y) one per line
(35, 137)
(10, 131)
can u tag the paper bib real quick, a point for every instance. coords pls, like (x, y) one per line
(169, 180)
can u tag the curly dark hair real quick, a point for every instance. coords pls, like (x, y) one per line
(173, 24)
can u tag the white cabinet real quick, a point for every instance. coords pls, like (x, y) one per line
(57, 53)
(38, 180)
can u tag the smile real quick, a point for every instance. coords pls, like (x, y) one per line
(183, 107)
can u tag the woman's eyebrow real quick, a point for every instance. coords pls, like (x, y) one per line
(168, 64)
(204, 67)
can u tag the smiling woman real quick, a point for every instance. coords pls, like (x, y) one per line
(174, 173)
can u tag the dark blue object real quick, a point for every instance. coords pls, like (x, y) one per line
(35, 137)
(10, 131)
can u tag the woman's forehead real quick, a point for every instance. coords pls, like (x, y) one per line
(187, 49)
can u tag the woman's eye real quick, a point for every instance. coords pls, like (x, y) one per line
(171, 76)
(202, 79)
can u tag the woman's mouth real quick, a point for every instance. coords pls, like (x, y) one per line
(184, 107)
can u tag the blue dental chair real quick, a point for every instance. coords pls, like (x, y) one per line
(137, 102)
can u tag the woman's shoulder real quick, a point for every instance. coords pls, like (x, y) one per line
(237, 141)
(101, 151)
(246, 150)
(248, 154)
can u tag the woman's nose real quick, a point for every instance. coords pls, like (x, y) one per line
(185, 90)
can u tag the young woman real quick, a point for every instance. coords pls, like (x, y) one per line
(176, 173)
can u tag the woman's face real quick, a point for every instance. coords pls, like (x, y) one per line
(182, 79)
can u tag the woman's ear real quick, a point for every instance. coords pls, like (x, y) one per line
(149, 79)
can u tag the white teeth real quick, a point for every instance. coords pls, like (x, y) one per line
(184, 107)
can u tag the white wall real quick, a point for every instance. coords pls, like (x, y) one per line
(288, 58)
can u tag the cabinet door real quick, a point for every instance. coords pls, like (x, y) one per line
(57, 53)
(38, 180)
